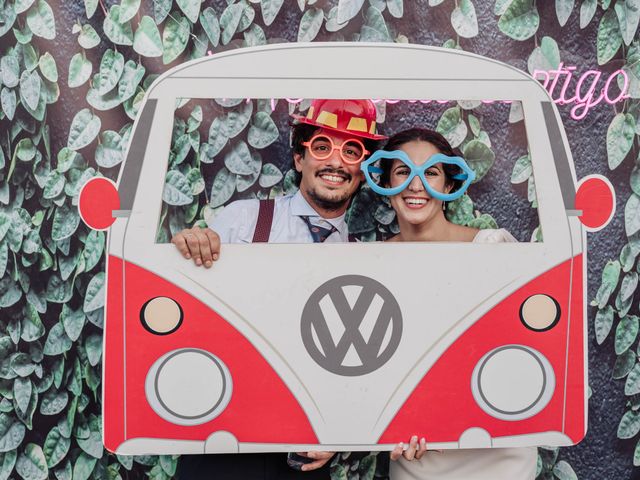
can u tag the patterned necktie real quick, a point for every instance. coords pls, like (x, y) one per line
(318, 233)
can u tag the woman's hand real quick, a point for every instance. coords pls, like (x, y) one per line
(415, 450)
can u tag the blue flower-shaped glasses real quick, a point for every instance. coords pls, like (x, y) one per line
(369, 169)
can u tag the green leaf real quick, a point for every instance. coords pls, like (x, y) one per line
(31, 464)
(244, 182)
(7, 462)
(620, 135)
(375, 28)
(93, 248)
(175, 37)
(128, 10)
(22, 388)
(22, 5)
(628, 13)
(263, 132)
(10, 70)
(544, 57)
(109, 151)
(90, 7)
(223, 187)
(460, 211)
(626, 333)
(83, 467)
(609, 37)
(332, 24)
(190, 8)
(396, 8)
(632, 215)
(73, 322)
(30, 85)
(8, 14)
(118, 32)
(22, 365)
(32, 327)
(230, 20)
(88, 37)
(624, 364)
(562, 470)
(56, 447)
(177, 190)
(522, 170)
(25, 150)
(147, 41)
(11, 433)
(237, 120)
(93, 346)
(57, 341)
(452, 127)
(209, 22)
(347, 9)
(79, 70)
(55, 184)
(464, 20)
(94, 298)
(239, 160)
(84, 129)
(587, 11)
(270, 9)
(10, 293)
(563, 12)
(54, 402)
(310, 24)
(479, 157)
(48, 67)
(161, 9)
(269, 176)
(610, 277)
(603, 323)
(629, 424)
(40, 20)
(103, 102)
(254, 36)
(92, 444)
(520, 20)
(111, 68)
(8, 102)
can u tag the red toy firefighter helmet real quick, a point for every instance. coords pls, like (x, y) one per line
(356, 117)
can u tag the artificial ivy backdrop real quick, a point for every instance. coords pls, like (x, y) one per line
(72, 76)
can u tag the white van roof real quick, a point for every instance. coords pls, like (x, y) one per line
(346, 61)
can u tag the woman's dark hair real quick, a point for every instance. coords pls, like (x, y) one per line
(429, 136)
(302, 132)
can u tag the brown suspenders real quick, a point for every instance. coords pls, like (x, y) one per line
(265, 219)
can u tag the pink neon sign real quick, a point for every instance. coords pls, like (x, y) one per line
(583, 101)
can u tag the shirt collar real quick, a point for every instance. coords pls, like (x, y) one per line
(300, 207)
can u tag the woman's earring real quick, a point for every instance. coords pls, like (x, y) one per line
(444, 206)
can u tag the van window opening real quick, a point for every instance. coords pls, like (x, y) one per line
(223, 150)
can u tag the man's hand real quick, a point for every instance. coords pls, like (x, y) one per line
(320, 459)
(200, 244)
(413, 451)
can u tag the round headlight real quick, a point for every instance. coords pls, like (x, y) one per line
(513, 382)
(161, 315)
(188, 386)
(540, 312)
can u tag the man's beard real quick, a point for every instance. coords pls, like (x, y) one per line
(334, 203)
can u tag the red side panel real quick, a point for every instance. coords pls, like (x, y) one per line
(445, 391)
(575, 426)
(262, 409)
(113, 384)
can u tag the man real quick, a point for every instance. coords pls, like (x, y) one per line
(328, 145)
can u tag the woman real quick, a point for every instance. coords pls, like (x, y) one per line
(420, 211)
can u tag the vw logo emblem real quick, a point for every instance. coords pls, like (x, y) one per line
(351, 325)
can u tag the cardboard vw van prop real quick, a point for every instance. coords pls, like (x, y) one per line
(345, 346)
